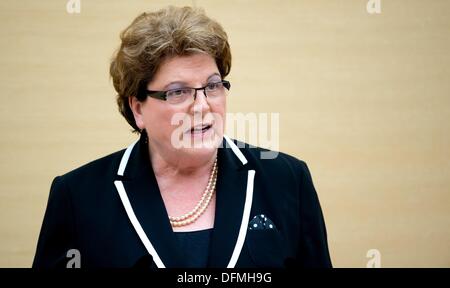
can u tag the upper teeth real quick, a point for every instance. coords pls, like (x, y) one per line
(200, 127)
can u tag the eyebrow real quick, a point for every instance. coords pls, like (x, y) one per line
(184, 83)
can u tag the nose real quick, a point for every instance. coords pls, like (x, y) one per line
(200, 102)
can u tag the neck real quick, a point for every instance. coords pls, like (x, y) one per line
(171, 163)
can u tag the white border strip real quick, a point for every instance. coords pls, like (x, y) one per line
(141, 233)
(236, 150)
(137, 226)
(245, 219)
(125, 157)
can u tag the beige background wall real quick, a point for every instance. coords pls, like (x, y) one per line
(363, 99)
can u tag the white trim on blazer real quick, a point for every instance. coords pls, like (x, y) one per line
(143, 236)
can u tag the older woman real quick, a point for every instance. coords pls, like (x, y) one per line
(184, 194)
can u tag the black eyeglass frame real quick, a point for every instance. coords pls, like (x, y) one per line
(162, 95)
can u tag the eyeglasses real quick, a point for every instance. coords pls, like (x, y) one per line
(183, 95)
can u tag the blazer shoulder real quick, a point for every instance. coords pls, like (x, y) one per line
(273, 160)
(105, 166)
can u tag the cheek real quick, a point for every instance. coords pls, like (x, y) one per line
(219, 107)
(157, 121)
(219, 112)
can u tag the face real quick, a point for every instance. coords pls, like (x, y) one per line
(194, 128)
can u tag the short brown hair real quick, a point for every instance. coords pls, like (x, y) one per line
(152, 37)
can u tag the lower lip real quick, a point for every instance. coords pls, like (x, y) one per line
(201, 134)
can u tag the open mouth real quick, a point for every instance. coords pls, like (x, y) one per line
(200, 129)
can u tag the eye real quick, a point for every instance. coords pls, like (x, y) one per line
(214, 86)
(179, 92)
(178, 95)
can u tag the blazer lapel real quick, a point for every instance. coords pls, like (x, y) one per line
(144, 196)
(231, 194)
(137, 184)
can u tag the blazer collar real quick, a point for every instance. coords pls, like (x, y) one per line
(140, 195)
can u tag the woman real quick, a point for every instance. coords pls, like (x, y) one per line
(183, 195)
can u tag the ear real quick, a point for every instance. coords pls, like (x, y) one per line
(136, 107)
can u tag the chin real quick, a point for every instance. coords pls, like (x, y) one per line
(202, 147)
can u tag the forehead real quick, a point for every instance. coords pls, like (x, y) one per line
(193, 68)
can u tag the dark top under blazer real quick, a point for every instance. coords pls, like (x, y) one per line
(84, 212)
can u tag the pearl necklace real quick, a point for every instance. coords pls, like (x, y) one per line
(201, 206)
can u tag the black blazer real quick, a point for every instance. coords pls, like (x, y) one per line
(87, 210)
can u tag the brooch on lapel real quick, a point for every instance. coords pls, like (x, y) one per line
(261, 222)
